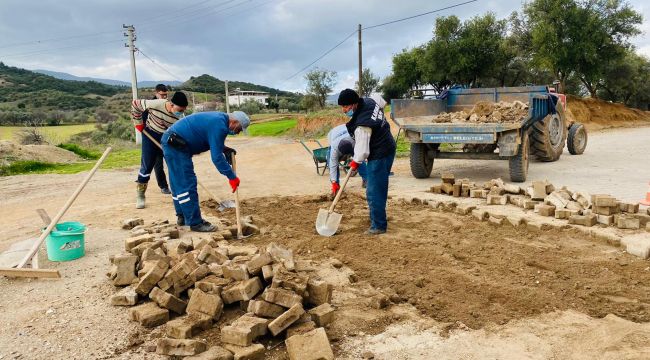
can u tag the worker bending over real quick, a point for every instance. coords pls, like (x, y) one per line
(193, 135)
(161, 114)
(341, 149)
(373, 142)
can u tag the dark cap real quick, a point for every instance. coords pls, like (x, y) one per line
(179, 99)
(346, 147)
(348, 97)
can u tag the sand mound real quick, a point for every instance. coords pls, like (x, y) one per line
(599, 114)
(10, 152)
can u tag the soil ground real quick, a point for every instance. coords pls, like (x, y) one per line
(466, 290)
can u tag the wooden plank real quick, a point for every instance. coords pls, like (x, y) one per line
(31, 273)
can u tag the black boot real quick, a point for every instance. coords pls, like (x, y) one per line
(203, 227)
(180, 220)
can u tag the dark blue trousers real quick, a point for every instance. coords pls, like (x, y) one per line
(377, 190)
(151, 153)
(183, 182)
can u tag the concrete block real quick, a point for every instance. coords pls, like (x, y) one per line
(512, 189)
(282, 297)
(627, 222)
(129, 224)
(599, 200)
(644, 219)
(557, 200)
(478, 193)
(209, 256)
(448, 178)
(132, 242)
(320, 292)
(151, 278)
(204, 303)
(244, 330)
(313, 345)
(213, 353)
(480, 215)
(496, 220)
(257, 262)
(631, 208)
(545, 210)
(515, 220)
(149, 314)
(322, 314)
(167, 300)
(281, 255)
(299, 328)
(447, 188)
(199, 273)
(125, 297)
(574, 205)
(180, 347)
(497, 190)
(464, 209)
(605, 210)
(565, 213)
(456, 190)
(539, 190)
(253, 352)
(637, 245)
(188, 326)
(436, 189)
(530, 204)
(242, 291)
(267, 273)
(265, 309)
(605, 219)
(289, 280)
(123, 270)
(497, 199)
(283, 321)
(584, 220)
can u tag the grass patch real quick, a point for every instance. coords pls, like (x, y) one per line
(88, 155)
(272, 128)
(53, 134)
(115, 160)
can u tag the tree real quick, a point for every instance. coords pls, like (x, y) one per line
(320, 83)
(369, 82)
(580, 38)
(390, 90)
(628, 81)
(104, 116)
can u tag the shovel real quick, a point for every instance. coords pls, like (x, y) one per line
(222, 204)
(328, 221)
(240, 232)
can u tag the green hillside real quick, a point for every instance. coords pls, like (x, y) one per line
(210, 84)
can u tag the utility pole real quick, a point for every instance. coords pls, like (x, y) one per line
(360, 62)
(227, 101)
(130, 35)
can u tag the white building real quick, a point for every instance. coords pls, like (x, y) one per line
(238, 97)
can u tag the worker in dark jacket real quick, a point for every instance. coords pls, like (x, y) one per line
(193, 135)
(158, 169)
(375, 143)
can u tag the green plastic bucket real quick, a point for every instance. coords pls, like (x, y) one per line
(66, 241)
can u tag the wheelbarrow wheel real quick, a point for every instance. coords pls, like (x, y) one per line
(518, 164)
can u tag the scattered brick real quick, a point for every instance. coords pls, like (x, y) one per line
(244, 330)
(149, 314)
(322, 314)
(188, 326)
(129, 224)
(264, 309)
(281, 297)
(313, 345)
(584, 220)
(125, 297)
(320, 292)
(180, 347)
(167, 301)
(151, 278)
(242, 291)
(213, 353)
(286, 319)
(626, 222)
(253, 352)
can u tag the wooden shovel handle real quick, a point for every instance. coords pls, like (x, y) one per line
(240, 233)
(338, 195)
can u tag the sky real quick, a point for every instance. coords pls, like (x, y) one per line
(264, 42)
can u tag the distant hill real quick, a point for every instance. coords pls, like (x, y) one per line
(207, 83)
(141, 84)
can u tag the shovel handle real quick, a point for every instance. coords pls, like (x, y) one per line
(240, 233)
(338, 194)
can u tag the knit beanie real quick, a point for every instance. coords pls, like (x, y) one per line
(348, 97)
(179, 99)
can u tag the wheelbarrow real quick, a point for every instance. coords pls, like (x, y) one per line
(321, 156)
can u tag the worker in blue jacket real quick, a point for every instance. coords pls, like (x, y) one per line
(373, 142)
(193, 135)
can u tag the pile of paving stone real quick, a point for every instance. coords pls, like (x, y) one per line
(486, 112)
(543, 198)
(185, 284)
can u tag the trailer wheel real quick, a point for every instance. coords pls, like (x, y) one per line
(518, 164)
(548, 138)
(421, 162)
(577, 139)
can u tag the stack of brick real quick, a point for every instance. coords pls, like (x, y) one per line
(190, 281)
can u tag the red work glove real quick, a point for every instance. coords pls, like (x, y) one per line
(354, 165)
(335, 187)
(139, 127)
(234, 184)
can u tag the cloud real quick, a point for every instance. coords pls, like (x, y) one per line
(259, 41)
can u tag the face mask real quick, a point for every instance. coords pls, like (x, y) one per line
(350, 112)
(178, 113)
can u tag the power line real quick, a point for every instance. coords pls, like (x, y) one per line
(160, 66)
(418, 15)
(322, 56)
(45, 51)
(55, 39)
(192, 15)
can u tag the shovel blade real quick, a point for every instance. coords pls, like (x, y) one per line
(226, 204)
(327, 222)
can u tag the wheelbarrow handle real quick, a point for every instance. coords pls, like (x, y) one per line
(338, 194)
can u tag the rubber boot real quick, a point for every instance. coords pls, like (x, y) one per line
(139, 200)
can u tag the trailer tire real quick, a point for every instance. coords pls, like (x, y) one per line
(518, 164)
(549, 137)
(421, 162)
(577, 139)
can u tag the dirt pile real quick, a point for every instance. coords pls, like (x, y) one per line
(598, 114)
(453, 269)
(486, 112)
(319, 123)
(10, 152)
